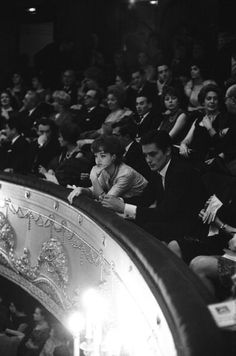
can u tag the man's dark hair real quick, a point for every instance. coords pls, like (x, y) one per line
(45, 121)
(137, 69)
(70, 132)
(163, 63)
(145, 94)
(160, 138)
(127, 126)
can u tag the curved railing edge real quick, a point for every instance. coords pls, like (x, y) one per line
(180, 294)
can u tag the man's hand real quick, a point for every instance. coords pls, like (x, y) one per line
(113, 203)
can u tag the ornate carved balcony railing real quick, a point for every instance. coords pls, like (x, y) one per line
(152, 303)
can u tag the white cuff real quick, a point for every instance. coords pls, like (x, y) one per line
(130, 211)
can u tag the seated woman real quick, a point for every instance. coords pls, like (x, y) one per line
(7, 104)
(110, 176)
(58, 337)
(34, 342)
(61, 104)
(199, 140)
(214, 267)
(73, 165)
(194, 86)
(19, 320)
(174, 118)
(115, 101)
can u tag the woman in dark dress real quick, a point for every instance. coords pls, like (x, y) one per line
(199, 141)
(34, 342)
(174, 118)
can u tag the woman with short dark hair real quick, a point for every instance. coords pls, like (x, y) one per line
(174, 118)
(110, 176)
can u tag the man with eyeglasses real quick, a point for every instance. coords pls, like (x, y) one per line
(92, 115)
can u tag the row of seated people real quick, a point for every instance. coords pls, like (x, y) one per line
(120, 99)
(36, 335)
(211, 127)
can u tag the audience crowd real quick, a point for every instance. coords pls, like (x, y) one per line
(24, 334)
(155, 144)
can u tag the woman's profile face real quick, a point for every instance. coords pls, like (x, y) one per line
(62, 141)
(171, 102)
(104, 159)
(211, 101)
(12, 307)
(195, 72)
(16, 78)
(112, 102)
(119, 81)
(38, 315)
(5, 99)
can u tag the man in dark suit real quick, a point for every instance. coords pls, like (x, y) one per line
(141, 85)
(92, 115)
(147, 119)
(15, 153)
(126, 131)
(69, 84)
(176, 191)
(32, 110)
(46, 146)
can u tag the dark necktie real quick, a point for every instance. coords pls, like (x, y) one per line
(159, 187)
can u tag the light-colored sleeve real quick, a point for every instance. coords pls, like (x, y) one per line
(188, 88)
(122, 183)
(130, 211)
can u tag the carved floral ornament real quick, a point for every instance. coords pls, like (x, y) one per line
(52, 256)
(52, 262)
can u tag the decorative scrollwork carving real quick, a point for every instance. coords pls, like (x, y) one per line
(7, 234)
(53, 255)
(23, 265)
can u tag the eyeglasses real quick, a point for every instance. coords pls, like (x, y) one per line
(231, 98)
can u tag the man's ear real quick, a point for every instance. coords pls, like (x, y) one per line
(150, 105)
(168, 151)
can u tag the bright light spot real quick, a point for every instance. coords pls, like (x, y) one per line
(75, 323)
(95, 304)
(31, 10)
(154, 2)
(112, 342)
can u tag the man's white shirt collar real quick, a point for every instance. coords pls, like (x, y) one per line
(163, 172)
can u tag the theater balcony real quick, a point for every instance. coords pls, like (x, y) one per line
(131, 295)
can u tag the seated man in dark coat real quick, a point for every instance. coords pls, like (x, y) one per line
(15, 152)
(46, 146)
(147, 119)
(126, 131)
(32, 110)
(92, 115)
(176, 190)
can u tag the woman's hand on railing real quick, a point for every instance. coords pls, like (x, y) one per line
(75, 193)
